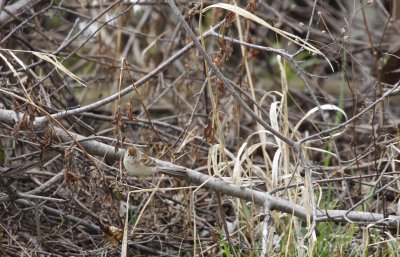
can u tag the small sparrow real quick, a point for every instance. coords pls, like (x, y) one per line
(139, 164)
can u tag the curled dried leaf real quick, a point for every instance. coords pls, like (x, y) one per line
(24, 121)
(70, 177)
(118, 128)
(253, 53)
(228, 50)
(220, 85)
(230, 17)
(209, 133)
(129, 111)
(113, 235)
(218, 61)
(251, 6)
(47, 138)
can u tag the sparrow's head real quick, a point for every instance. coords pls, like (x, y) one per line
(132, 152)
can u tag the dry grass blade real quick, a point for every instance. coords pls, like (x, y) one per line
(53, 60)
(292, 38)
(327, 107)
(16, 59)
(9, 65)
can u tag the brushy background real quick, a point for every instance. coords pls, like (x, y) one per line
(58, 200)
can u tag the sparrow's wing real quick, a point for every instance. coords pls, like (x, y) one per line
(146, 160)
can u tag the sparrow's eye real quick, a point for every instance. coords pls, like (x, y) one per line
(132, 151)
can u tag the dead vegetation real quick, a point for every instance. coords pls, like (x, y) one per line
(280, 117)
